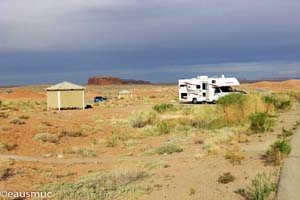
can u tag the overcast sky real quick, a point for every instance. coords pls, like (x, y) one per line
(47, 41)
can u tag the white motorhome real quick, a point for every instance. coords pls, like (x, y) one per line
(205, 89)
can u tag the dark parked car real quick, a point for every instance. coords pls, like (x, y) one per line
(99, 99)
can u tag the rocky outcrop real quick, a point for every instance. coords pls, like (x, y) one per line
(114, 81)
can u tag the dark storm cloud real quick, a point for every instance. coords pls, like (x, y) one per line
(126, 38)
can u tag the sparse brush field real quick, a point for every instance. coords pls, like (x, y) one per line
(148, 147)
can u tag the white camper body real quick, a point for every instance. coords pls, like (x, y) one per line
(205, 89)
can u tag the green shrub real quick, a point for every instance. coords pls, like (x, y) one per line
(118, 184)
(47, 137)
(142, 119)
(160, 108)
(278, 150)
(236, 99)
(169, 149)
(163, 128)
(261, 187)
(261, 122)
(226, 178)
(281, 102)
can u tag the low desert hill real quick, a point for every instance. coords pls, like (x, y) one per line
(293, 84)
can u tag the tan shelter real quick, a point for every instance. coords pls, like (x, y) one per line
(65, 95)
(124, 94)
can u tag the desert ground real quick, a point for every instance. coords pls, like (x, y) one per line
(148, 147)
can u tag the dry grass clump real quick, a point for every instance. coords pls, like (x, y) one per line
(142, 119)
(206, 117)
(47, 137)
(236, 108)
(163, 128)
(294, 95)
(116, 137)
(234, 156)
(117, 184)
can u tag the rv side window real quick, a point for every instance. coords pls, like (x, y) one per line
(217, 90)
(204, 94)
(204, 86)
(213, 81)
(182, 85)
(198, 86)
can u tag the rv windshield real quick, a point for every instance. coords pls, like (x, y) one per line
(227, 89)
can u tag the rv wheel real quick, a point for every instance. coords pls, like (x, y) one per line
(195, 101)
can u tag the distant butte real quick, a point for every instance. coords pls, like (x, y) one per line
(114, 81)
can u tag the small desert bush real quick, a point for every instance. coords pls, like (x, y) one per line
(116, 136)
(24, 117)
(168, 149)
(4, 170)
(160, 108)
(261, 122)
(286, 133)
(163, 128)
(17, 121)
(71, 133)
(7, 146)
(261, 187)
(226, 178)
(277, 151)
(118, 184)
(156, 164)
(84, 152)
(47, 137)
(281, 102)
(23, 105)
(295, 95)
(142, 119)
(4, 115)
(234, 156)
